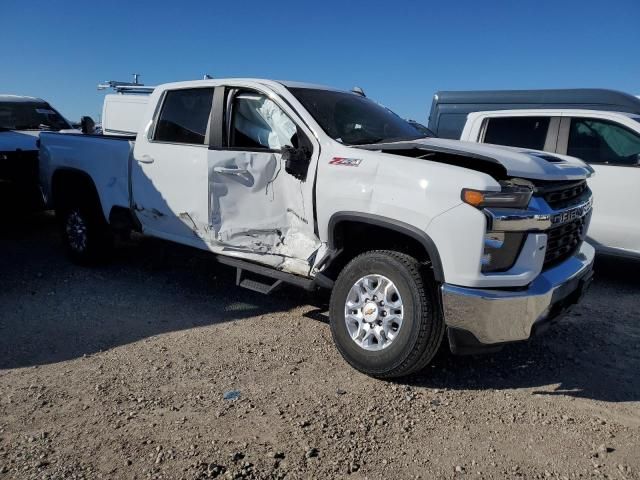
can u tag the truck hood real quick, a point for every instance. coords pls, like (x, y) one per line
(491, 159)
(18, 140)
(11, 140)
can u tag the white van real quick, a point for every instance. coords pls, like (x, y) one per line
(122, 113)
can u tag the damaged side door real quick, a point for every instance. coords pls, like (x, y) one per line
(257, 209)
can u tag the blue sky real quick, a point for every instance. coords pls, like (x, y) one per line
(400, 52)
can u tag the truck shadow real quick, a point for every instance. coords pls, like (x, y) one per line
(52, 311)
(591, 353)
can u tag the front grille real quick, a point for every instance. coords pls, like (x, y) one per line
(561, 195)
(563, 241)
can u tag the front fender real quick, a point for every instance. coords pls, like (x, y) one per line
(390, 224)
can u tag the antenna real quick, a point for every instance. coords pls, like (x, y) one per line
(358, 91)
(207, 77)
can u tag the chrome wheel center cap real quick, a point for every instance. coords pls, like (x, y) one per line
(370, 312)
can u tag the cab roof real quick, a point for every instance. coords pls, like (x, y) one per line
(262, 81)
(19, 98)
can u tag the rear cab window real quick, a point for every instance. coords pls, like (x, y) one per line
(30, 116)
(524, 132)
(184, 117)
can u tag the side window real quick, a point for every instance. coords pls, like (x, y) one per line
(258, 123)
(525, 132)
(601, 141)
(184, 117)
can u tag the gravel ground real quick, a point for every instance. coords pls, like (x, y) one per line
(122, 372)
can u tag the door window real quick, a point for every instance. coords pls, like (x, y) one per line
(525, 132)
(185, 116)
(601, 141)
(258, 123)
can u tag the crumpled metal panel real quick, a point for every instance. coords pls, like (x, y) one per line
(257, 210)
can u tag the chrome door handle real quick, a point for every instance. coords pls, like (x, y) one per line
(230, 171)
(146, 159)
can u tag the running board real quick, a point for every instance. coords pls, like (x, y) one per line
(273, 278)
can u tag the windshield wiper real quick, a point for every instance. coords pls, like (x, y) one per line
(368, 141)
(40, 126)
(390, 140)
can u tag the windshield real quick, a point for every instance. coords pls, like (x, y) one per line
(30, 116)
(352, 119)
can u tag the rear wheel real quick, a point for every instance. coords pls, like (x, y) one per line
(85, 233)
(384, 314)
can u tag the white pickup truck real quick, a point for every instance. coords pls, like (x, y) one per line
(608, 141)
(417, 237)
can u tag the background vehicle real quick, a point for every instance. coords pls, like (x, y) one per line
(123, 111)
(608, 140)
(318, 187)
(21, 121)
(421, 128)
(449, 109)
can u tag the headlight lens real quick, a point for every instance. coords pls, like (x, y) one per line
(501, 250)
(509, 197)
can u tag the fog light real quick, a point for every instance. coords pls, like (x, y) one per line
(501, 250)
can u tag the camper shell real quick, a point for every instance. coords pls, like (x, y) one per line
(449, 109)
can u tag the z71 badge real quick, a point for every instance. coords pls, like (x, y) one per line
(345, 162)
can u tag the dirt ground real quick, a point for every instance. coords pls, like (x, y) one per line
(121, 372)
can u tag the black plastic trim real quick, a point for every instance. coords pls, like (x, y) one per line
(463, 342)
(123, 218)
(245, 149)
(391, 224)
(303, 282)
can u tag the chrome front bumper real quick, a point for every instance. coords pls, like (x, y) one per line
(494, 316)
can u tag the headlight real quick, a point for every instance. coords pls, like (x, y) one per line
(511, 196)
(501, 250)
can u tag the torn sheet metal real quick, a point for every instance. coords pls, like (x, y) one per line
(257, 211)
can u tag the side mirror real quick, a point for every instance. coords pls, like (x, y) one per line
(87, 125)
(296, 161)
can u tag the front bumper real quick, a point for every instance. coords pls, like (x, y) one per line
(487, 317)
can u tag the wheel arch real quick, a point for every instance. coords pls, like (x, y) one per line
(341, 223)
(68, 183)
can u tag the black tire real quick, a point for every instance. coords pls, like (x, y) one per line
(86, 235)
(420, 335)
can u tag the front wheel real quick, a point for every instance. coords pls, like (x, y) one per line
(384, 313)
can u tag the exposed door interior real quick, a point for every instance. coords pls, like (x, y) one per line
(256, 205)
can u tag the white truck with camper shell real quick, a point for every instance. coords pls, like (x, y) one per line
(419, 239)
(608, 141)
(600, 127)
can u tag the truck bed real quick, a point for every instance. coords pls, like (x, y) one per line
(106, 159)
